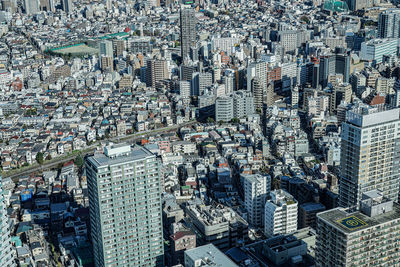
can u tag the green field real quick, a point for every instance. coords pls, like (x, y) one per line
(75, 49)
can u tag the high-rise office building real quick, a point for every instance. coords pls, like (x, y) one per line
(47, 5)
(125, 207)
(370, 154)
(288, 40)
(280, 214)
(6, 252)
(67, 6)
(389, 24)
(188, 30)
(369, 237)
(359, 4)
(256, 187)
(374, 49)
(338, 63)
(156, 70)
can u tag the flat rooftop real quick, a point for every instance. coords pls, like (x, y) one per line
(210, 256)
(136, 153)
(353, 222)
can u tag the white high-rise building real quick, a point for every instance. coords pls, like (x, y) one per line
(259, 70)
(256, 187)
(125, 207)
(374, 50)
(7, 253)
(229, 82)
(280, 214)
(224, 108)
(184, 89)
(243, 104)
(370, 154)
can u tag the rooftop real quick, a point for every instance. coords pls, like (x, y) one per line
(209, 255)
(352, 222)
(136, 153)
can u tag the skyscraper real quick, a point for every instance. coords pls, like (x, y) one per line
(369, 237)
(6, 251)
(67, 6)
(389, 24)
(188, 30)
(125, 207)
(370, 154)
(256, 187)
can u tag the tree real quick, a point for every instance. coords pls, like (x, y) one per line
(210, 120)
(78, 161)
(235, 120)
(276, 184)
(40, 158)
(48, 157)
(305, 19)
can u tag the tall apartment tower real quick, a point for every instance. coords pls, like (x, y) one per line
(258, 92)
(369, 237)
(125, 207)
(156, 70)
(243, 104)
(259, 70)
(370, 154)
(256, 187)
(389, 24)
(188, 30)
(6, 252)
(280, 214)
(224, 108)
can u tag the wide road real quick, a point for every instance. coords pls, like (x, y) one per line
(132, 138)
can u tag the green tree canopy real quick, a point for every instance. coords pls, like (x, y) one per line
(40, 158)
(78, 161)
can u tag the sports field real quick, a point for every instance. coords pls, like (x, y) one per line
(75, 49)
